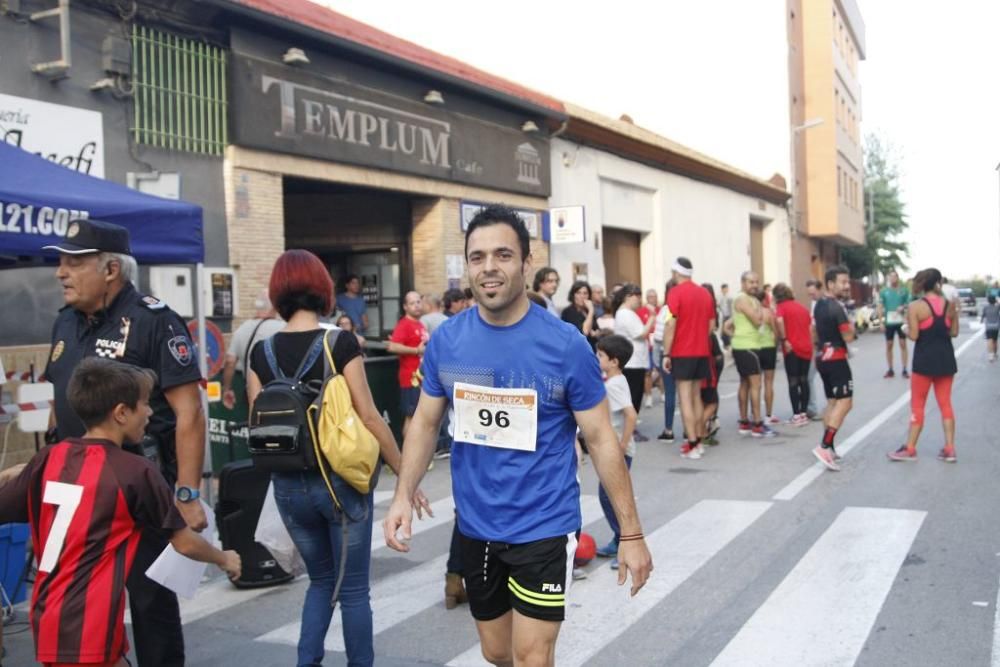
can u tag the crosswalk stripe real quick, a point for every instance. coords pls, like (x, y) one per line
(220, 594)
(403, 595)
(679, 549)
(823, 611)
(444, 512)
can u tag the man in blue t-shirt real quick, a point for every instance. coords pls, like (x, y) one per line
(352, 302)
(519, 381)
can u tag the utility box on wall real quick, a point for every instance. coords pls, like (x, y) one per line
(173, 285)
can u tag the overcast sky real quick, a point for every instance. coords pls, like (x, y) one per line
(713, 76)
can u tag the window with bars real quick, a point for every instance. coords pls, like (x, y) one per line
(180, 92)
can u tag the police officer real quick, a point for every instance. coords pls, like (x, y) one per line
(106, 317)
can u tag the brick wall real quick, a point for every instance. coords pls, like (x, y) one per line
(428, 243)
(255, 214)
(256, 220)
(437, 233)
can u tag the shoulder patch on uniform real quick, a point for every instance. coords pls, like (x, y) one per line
(180, 349)
(153, 303)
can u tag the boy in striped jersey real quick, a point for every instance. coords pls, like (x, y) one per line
(87, 501)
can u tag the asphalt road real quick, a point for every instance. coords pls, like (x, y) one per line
(761, 557)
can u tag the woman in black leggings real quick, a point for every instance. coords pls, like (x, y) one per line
(793, 322)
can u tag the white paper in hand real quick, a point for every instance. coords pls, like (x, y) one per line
(179, 573)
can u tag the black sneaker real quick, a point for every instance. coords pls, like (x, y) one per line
(639, 437)
(666, 436)
(906, 374)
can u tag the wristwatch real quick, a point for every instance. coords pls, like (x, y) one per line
(186, 494)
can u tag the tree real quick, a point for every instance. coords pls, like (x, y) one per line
(885, 218)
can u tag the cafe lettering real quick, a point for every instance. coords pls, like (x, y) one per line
(287, 110)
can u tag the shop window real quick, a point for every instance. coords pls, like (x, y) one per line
(180, 92)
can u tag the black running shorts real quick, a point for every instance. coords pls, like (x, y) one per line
(532, 578)
(837, 379)
(991, 334)
(709, 395)
(893, 330)
(747, 362)
(689, 368)
(768, 358)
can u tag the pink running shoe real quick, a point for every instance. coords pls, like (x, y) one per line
(903, 454)
(825, 457)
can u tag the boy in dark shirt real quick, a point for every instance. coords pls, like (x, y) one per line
(88, 501)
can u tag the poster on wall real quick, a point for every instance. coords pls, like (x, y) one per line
(532, 219)
(69, 136)
(221, 292)
(566, 225)
(369, 288)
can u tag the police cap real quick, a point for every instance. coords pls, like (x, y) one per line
(89, 236)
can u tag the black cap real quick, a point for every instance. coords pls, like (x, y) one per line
(89, 236)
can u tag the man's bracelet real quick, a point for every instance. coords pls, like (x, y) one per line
(631, 538)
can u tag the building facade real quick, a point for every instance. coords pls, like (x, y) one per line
(648, 200)
(374, 162)
(826, 41)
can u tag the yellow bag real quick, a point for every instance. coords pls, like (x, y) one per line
(338, 434)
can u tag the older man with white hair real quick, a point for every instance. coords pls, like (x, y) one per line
(106, 317)
(264, 324)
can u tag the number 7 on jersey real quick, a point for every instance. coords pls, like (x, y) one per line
(66, 497)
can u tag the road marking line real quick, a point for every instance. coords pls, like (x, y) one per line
(403, 595)
(599, 610)
(444, 512)
(220, 594)
(816, 470)
(822, 613)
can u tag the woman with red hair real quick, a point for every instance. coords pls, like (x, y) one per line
(302, 292)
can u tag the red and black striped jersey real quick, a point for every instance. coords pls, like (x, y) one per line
(87, 502)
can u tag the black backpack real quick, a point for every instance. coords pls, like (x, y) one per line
(280, 438)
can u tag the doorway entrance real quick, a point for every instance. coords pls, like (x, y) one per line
(757, 247)
(621, 257)
(359, 231)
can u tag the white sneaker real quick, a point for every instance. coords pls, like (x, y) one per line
(691, 453)
(649, 401)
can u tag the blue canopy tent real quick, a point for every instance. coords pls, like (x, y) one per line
(39, 197)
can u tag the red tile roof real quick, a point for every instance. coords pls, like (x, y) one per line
(326, 20)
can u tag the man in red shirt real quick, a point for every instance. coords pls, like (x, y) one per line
(793, 327)
(686, 351)
(88, 502)
(408, 340)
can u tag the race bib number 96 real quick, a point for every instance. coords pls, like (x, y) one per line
(505, 418)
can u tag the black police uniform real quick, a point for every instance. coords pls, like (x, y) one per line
(143, 331)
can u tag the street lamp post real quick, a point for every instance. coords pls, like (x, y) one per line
(793, 188)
